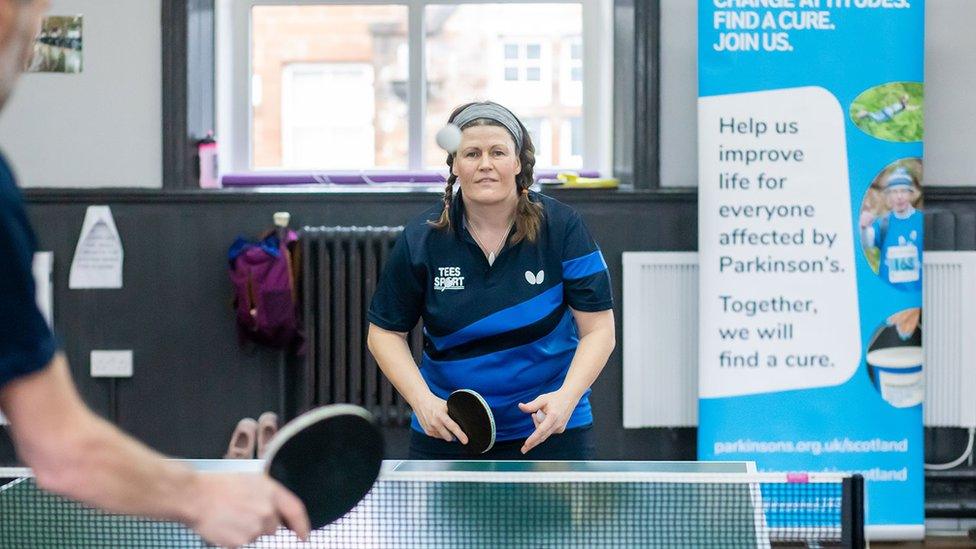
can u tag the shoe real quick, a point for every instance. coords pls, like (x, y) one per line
(267, 427)
(243, 441)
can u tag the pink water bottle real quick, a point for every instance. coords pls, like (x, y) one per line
(207, 152)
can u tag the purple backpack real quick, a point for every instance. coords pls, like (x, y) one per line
(265, 289)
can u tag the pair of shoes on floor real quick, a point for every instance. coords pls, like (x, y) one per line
(252, 436)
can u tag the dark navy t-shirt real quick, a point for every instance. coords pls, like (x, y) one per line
(26, 342)
(505, 330)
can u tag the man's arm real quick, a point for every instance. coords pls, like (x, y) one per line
(75, 453)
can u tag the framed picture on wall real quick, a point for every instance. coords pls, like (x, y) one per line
(58, 47)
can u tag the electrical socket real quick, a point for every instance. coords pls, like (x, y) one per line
(111, 363)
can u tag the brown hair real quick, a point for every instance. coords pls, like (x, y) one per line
(528, 213)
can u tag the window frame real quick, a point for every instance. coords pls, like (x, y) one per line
(188, 87)
(234, 115)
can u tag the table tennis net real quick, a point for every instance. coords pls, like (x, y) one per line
(506, 510)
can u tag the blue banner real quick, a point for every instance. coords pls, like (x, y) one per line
(810, 239)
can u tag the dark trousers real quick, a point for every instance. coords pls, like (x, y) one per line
(573, 445)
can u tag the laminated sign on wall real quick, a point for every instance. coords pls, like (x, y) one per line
(98, 256)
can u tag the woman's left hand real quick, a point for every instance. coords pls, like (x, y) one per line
(557, 407)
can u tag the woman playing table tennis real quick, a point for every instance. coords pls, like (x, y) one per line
(515, 298)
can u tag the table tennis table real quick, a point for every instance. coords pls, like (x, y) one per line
(421, 504)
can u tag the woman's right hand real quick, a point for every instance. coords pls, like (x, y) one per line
(432, 414)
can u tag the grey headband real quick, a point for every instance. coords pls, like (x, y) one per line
(491, 111)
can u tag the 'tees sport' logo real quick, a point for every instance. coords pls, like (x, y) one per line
(449, 278)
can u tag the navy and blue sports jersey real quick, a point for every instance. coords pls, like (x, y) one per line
(26, 342)
(901, 250)
(505, 330)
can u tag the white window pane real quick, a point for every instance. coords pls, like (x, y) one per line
(333, 86)
(351, 146)
(541, 133)
(328, 114)
(534, 126)
(257, 91)
(571, 69)
(571, 143)
(576, 128)
(576, 52)
(511, 73)
(469, 49)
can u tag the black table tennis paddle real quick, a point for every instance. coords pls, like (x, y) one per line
(329, 457)
(470, 411)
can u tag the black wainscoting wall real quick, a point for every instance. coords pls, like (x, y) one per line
(193, 380)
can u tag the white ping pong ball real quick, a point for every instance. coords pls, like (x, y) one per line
(449, 138)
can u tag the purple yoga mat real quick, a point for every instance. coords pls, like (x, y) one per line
(260, 179)
(355, 178)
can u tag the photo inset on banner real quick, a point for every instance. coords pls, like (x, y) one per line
(58, 46)
(892, 225)
(894, 359)
(892, 112)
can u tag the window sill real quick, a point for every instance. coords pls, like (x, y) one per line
(351, 194)
(400, 179)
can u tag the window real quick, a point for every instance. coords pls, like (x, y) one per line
(340, 85)
(571, 65)
(502, 53)
(571, 143)
(540, 131)
(523, 61)
(331, 87)
(327, 115)
(528, 75)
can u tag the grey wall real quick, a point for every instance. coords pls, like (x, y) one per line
(950, 74)
(950, 77)
(101, 127)
(679, 93)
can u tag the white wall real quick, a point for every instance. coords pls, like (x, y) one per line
(950, 77)
(102, 127)
(679, 93)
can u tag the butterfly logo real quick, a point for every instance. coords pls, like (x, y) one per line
(536, 278)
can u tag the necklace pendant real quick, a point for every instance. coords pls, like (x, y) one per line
(491, 259)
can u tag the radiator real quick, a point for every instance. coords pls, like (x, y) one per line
(660, 332)
(340, 270)
(949, 325)
(660, 339)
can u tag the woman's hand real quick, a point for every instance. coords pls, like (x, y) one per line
(432, 414)
(556, 408)
(392, 353)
